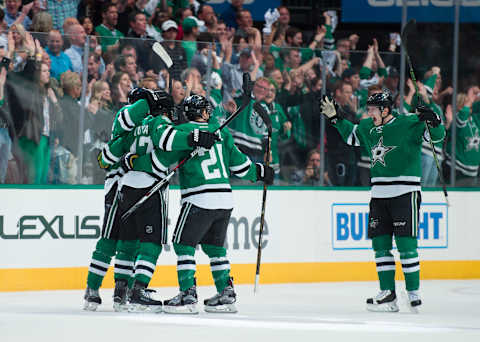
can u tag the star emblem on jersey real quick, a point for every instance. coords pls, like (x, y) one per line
(473, 142)
(379, 152)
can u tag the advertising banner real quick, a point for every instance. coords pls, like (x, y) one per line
(310, 235)
(437, 11)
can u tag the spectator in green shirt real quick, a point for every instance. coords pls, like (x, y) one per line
(190, 34)
(107, 31)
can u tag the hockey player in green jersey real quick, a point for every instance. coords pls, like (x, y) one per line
(207, 203)
(141, 102)
(394, 145)
(148, 224)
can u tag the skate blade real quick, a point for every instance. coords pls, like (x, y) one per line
(90, 306)
(190, 309)
(386, 307)
(413, 309)
(117, 307)
(225, 308)
(139, 308)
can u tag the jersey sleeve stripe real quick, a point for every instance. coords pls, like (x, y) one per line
(242, 172)
(352, 138)
(235, 168)
(108, 156)
(157, 167)
(162, 144)
(461, 123)
(170, 139)
(125, 120)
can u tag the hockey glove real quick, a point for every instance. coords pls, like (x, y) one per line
(126, 162)
(329, 108)
(428, 115)
(100, 161)
(198, 138)
(265, 173)
(143, 93)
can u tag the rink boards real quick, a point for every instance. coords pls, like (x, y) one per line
(47, 237)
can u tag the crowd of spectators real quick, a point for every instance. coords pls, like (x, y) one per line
(45, 99)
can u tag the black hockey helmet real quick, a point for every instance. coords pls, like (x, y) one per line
(164, 104)
(382, 100)
(135, 94)
(193, 106)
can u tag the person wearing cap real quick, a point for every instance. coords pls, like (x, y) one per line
(107, 31)
(190, 34)
(174, 50)
(155, 23)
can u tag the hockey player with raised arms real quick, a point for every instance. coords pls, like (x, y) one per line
(394, 144)
(207, 202)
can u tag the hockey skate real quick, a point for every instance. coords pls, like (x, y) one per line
(223, 302)
(385, 301)
(92, 299)
(120, 296)
(141, 300)
(183, 303)
(413, 301)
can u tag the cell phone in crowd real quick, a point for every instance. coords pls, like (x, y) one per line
(395, 36)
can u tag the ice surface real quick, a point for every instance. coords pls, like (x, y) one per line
(286, 312)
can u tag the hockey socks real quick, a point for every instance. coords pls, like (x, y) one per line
(146, 261)
(101, 258)
(407, 247)
(186, 266)
(219, 265)
(125, 259)
(382, 246)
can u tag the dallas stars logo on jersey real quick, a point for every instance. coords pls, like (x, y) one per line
(257, 124)
(473, 141)
(379, 151)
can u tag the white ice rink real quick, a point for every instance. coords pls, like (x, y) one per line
(293, 313)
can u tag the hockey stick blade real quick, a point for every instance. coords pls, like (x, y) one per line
(258, 107)
(247, 85)
(409, 28)
(160, 51)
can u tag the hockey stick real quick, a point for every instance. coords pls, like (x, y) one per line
(160, 51)
(247, 89)
(408, 29)
(268, 122)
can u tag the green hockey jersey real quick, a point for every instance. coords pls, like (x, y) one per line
(125, 120)
(204, 179)
(394, 150)
(248, 130)
(467, 148)
(154, 133)
(128, 117)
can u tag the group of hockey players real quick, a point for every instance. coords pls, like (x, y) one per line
(144, 144)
